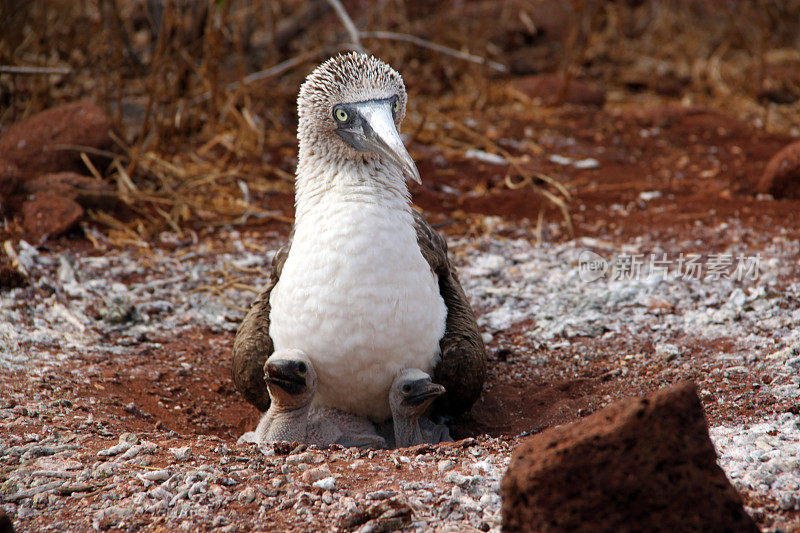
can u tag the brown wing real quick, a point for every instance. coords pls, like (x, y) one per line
(253, 345)
(462, 369)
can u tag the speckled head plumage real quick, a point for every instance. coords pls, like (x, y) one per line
(346, 78)
(350, 109)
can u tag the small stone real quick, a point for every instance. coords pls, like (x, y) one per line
(181, 453)
(762, 443)
(458, 479)
(117, 449)
(66, 273)
(156, 475)
(300, 458)
(129, 438)
(327, 484)
(485, 157)
(380, 494)
(104, 470)
(220, 521)
(445, 464)
(667, 352)
(737, 298)
(115, 513)
(315, 474)
(132, 452)
(788, 502)
(247, 495)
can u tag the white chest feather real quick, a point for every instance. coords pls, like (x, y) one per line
(357, 296)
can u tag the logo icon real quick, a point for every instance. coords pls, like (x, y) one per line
(591, 266)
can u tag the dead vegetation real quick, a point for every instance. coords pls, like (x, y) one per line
(203, 92)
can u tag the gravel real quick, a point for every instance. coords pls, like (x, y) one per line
(92, 477)
(763, 457)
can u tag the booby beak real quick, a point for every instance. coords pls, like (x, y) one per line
(286, 375)
(370, 128)
(421, 391)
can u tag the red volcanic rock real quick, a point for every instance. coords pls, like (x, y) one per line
(5, 523)
(10, 178)
(33, 144)
(781, 177)
(87, 191)
(554, 89)
(637, 465)
(49, 215)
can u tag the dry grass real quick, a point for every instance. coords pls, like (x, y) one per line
(204, 91)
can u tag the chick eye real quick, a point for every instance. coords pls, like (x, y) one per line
(301, 368)
(406, 388)
(340, 114)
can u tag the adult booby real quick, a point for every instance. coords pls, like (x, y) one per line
(364, 283)
(292, 384)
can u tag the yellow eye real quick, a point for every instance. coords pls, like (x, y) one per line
(340, 114)
(396, 106)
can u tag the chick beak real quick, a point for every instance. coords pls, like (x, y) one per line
(422, 392)
(284, 377)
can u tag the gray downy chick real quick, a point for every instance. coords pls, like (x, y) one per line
(292, 384)
(411, 395)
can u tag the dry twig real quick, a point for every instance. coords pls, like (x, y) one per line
(8, 246)
(394, 36)
(34, 71)
(349, 25)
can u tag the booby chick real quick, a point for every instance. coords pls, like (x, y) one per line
(364, 285)
(411, 395)
(292, 382)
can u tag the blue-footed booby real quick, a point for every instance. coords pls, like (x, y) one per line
(364, 285)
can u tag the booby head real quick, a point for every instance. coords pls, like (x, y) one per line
(412, 393)
(350, 109)
(290, 378)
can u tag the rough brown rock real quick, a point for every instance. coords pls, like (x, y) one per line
(5, 523)
(33, 144)
(551, 90)
(781, 82)
(637, 465)
(49, 215)
(781, 177)
(10, 277)
(10, 178)
(86, 190)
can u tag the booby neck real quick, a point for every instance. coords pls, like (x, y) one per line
(407, 431)
(325, 178)
(288, 424)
